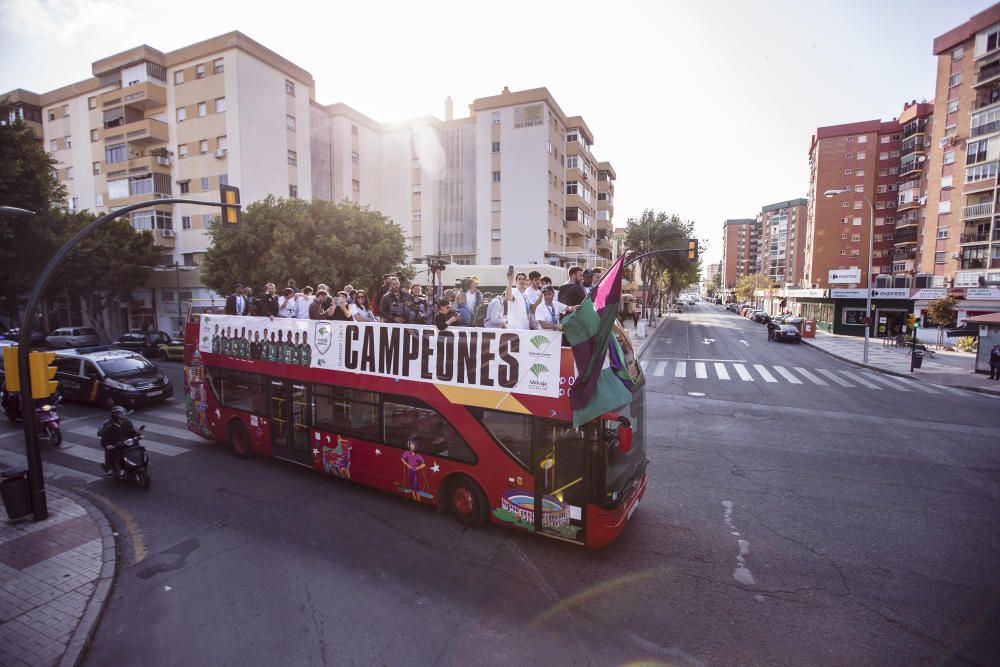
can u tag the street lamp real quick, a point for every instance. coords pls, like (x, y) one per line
(830, 194)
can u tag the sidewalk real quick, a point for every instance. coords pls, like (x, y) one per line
(952, 370)
(639, 344)
(55, 576)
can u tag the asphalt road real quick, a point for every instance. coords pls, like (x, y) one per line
(785, 523)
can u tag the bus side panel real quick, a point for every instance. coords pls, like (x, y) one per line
(604, 526)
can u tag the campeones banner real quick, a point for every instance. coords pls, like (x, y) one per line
(525, 362)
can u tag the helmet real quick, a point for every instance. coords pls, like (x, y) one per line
(118, 411)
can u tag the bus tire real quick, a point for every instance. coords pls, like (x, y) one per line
(239, 440)
(467, 502)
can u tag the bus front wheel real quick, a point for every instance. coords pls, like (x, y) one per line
(239, 440)
(467, 502)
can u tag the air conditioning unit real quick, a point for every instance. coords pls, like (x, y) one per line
(954, 255)
(220, 153)
(946, 141)
(168, 233)
(162, 160)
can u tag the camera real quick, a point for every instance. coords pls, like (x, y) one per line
(436, 262)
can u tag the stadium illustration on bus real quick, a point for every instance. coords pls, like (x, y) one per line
(472, 421)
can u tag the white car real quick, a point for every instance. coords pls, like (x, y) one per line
(73, 337)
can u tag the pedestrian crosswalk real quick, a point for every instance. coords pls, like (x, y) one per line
(78, 458)
(735, 371)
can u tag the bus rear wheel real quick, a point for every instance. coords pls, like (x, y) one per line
(239, 440)
(467, 502)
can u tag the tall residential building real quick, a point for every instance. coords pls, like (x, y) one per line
(515, 182)
(864, 159)
(739, 250)
(782, 241)
(965, 152)
(908, 241)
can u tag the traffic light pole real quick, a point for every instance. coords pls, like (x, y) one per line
(36, 482)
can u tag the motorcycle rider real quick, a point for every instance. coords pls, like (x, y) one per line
(772, 328)
(117, 428)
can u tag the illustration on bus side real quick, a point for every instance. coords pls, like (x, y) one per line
(525, 362)
(336, 460)
(195, 404)
(414, 473)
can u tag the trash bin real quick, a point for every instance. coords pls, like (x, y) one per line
(16, 497)
(918, 358)
(809, 328)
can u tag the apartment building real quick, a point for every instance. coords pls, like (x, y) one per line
(964, 154)
(862, 158)
(740, 239)
(910, 240)
(782, 241)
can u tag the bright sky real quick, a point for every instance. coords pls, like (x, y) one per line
(704, 108)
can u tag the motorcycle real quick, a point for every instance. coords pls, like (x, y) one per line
(133, 460)
(48, 418)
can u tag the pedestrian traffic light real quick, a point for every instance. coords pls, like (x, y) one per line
(233, 213)
(11, 373)
(42, 373)
(692, 250)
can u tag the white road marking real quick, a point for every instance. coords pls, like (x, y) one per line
(643, 364)
(764, 373)
(744, 342)
(661, 366)
(809, 376)
(699, 370)
(886, 381)
(742, 573)
(50, 470)
(919, 385)
(151, 445)
(720, 370)
(951, 390)
(833, 376)
(680, 370)
(743, 373)
(709, 341)
(173, 416)
(787, 375)
(860, 380)
(81, 451)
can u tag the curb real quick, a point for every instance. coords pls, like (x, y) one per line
(650, 337)
(85, 629)
(885, 371)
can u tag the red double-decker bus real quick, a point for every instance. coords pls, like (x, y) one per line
(476, 422)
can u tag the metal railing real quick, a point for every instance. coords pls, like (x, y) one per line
(981, 237)
(983, 210)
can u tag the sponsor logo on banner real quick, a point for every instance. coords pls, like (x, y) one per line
(525, 362)
(844, 276)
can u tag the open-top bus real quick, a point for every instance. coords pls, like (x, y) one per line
(472, 421)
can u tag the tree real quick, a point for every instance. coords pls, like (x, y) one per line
(747, 285)
(666, 273)
(941, 313)
(312, 242)
(27, 180)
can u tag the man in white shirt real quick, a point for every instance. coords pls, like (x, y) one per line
(548, 311)
(494, 312)
(518, 308)
(534, 291)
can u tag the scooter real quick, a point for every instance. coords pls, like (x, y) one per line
(134, 460)
(48, 418)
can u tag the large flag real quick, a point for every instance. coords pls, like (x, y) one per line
(589, 330)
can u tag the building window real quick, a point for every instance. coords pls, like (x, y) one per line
(94, 136)
(856, 221)
(946, 182)
(862, 138)
(73, 203)
(881, 189)
(293, 191)
(843, 237)
(860, 172)
(354, 130)
(859, 188)
(855, 252)
(220, 104)
(99, 199)
(185, 222)
(944, 206)
(495, 117)
(293, 158)
(290, 123)
(848, 155)
(202, 109)
(114, 153)
(222, 143)
(942, 232)
(355, 159)
(218, 67)
(223, 179)
(495, 206)
(850, 140)
(857, 205)
(181, 114)
(495, 235)
(91, 102)
(939, 257)
(289, 87)
(848, 172)
(69, 173)
(416, 217)
(97, 169)
(203, 146)
(954, 79)
(862, 155)
(496, 146)
(957, 53)
(416, 188)
(184, 186)
(178, 77)
(843, 253)
(204, 183)
(952, 106)
(355, 185)
(949, 157)
(845, 204)
(855, 237)
(496, 176)
(199, 71)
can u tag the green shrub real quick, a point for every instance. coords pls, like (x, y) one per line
(967, 343)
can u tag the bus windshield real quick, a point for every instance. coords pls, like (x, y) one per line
(621, 470)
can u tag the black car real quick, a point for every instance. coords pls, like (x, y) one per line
(109, 376)
(787, 332)
(146, 343)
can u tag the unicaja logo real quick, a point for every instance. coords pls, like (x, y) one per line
(538, 341)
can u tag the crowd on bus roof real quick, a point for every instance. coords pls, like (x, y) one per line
(530, 301)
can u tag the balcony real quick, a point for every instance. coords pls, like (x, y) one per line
(901, 254)
(987, 74)
(603, 243)
(143, 96)
(907, 221)
(973, 211)
(979, 237)
(910, 185)
(905, 237)
(917, 128)
(910, 167)
(986, 128)
(146, 131)
(578, 228)
(995, 263)
(977, 263)
(912, 146)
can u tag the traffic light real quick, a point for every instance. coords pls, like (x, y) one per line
(10, 369)
(42, 373)
(231, 215)
(692, 250)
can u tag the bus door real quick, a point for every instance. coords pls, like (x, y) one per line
(559, 464)
(288, 410)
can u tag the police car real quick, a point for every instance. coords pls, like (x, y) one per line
(109, 376)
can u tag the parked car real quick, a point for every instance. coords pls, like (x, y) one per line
(73, 337)
(146, 343)
(787, 332)
(761, 317)
(109, 376)
(37, 337)
(174, 349)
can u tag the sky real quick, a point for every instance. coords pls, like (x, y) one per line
(704, 108)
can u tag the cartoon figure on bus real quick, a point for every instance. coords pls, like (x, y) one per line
(413, 463)
(337, 460)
